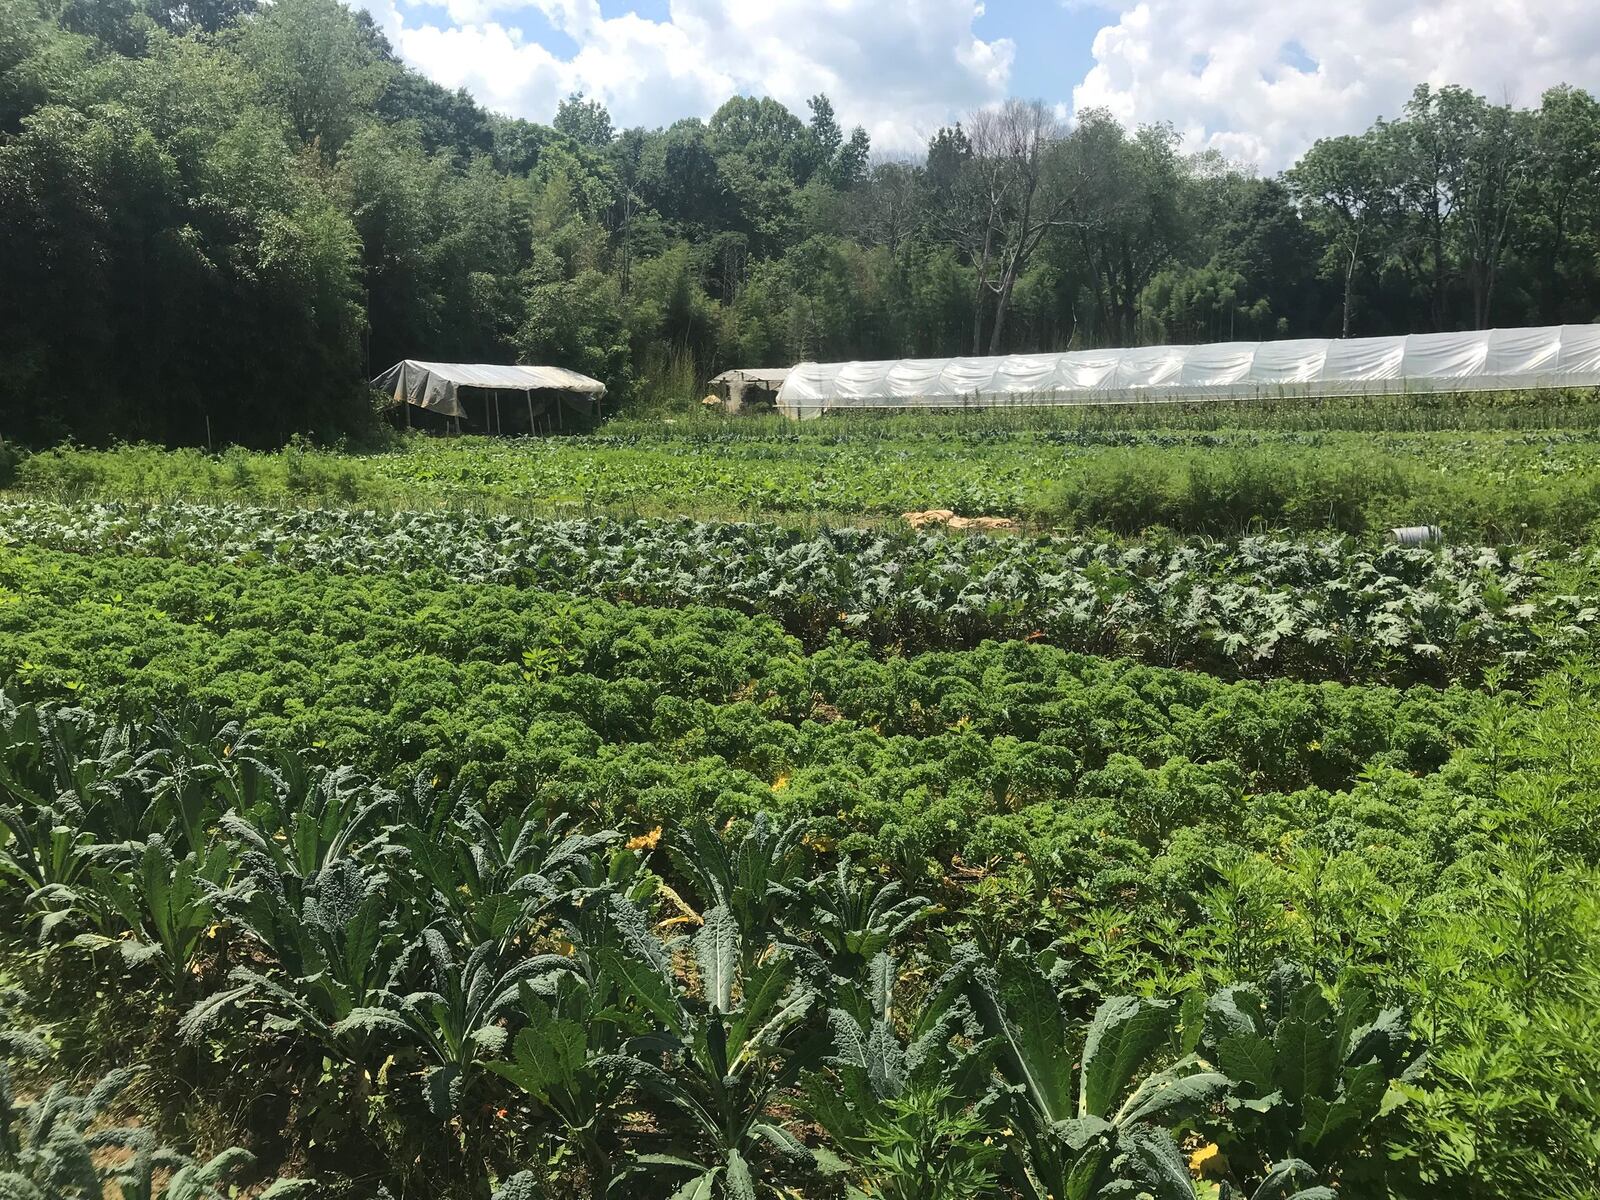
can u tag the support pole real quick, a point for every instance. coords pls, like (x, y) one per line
(498, 428)
(528, 396)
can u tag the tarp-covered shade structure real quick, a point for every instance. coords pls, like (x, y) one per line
(444, 388)
(742, 385)
(1483, 360)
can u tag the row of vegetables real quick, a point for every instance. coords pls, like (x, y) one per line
(1329, 608)
(1083, 766)
(381, 991)
(418, 979)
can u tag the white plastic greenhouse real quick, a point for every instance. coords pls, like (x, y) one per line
(1484, 360)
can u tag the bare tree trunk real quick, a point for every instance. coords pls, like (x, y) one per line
(1350, 283)
(1008, 285)
(1349, 286)
(1102, 302)
(1496, 255)
(1026, 242)
(1130, 300)
(1002, 304)
(977, 294)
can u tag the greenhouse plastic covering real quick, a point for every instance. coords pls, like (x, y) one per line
(1482, 360)
(433, 386)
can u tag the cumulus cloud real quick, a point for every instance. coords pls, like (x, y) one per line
(1258, 82)
(1261, 82)
(899, 67)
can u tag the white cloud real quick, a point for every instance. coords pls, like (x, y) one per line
(1260, 82)
(899, 67)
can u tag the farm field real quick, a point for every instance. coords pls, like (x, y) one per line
(1190, 792)
(655, 814)
(1298, 470)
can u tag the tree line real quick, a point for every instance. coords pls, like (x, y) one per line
(217, 219)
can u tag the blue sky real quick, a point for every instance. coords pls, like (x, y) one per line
(1052, 41)
(1052, 38)
(1258, 82)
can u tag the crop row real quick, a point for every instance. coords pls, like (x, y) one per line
(639, 715)
(417, 960)
(487, 991)
(1258, 606)
(1497, 487)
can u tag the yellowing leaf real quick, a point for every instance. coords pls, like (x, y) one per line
(1208, 1161)
(645, 841)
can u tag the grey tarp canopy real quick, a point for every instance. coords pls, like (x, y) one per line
(737, 383)
(771, 377)
(433, 386)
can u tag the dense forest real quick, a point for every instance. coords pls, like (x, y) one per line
(218, 219)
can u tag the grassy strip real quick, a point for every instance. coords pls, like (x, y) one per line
(1493, 487)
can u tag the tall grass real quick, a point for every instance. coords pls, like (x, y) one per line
(1348, 486)
(669, 383)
